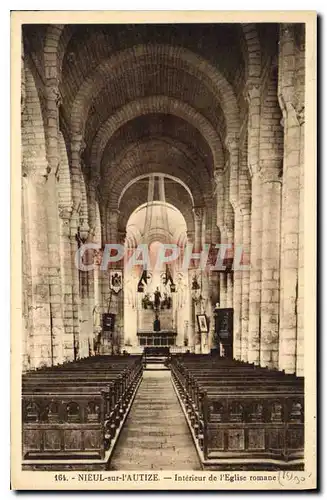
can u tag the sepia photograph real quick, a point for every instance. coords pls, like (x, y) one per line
(163, 332)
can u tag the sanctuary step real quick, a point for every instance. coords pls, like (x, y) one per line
(156, 358)
(155, 435)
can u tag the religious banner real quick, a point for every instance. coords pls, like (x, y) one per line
(116, 280)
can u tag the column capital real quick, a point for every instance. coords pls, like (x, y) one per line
(252, 90)
(271, 170)
(113, 212)
(218, 176)
(122, 235)
(244, 207)
(36, 169)
(95, 180)
(198, 213)
(54, 94)
(300, 113)
(228, 232)
(84, 228)
(231, 142)
(287, 30)
(190, 234)
(77, 144)
(65, 211)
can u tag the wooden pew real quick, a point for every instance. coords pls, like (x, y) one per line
(241, 416)
(72, 412)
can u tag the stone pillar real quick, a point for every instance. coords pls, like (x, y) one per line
(112, 221)
(41, 349)
(253, 97)
(234, 280)
(85, 277)
(290, 242)
(207, 310)
(254, 334)
(214, 298)
(237, 290)
(77, 146)
(271, 213)
(291, 340)
(91, 307)
(22, 79)
(66, 274)
(26, 282)
(198, 225)
(230, 275)
(223, 290)
(246, 223)
(198, 221)
(219, 177)
(121, 236)
(228, 232)
(300, 302)
(54, 272)
(53, 156)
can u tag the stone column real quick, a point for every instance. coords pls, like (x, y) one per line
(271, 213)
(116, 304)
(237, 290)
(246, 223)
(229, 274)
(300, 302)
(214, 298)
(121, 236)
(66, 268)
(253, 96)
(234, 280)
(112, 222)
(291, 279)
(198, 221)
(52, 103)
(75, 171)
(26, 281)
(41, 349)
(223, 290)
(255, 272)
(219, 177)
(54, 272)
(290, 242)
(228, 233)
(91, 307)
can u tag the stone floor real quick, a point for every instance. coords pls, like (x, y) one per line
(155, 435)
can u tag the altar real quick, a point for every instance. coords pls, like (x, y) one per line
(163, 338)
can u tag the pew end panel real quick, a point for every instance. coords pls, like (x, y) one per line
(65, 426)
(253, 429)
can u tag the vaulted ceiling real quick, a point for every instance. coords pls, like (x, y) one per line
(152, 98)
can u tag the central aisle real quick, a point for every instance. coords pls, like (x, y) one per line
(155, 435)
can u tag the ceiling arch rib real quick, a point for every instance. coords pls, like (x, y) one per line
(59, 37)
(135, 196)
(146, 79)
(177, 57)
(168, 128)
(144, 169)
(154, 104)
(145, 176)
(155, 152)
(253, 66)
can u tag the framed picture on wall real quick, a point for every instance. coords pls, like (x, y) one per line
(202, 323)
